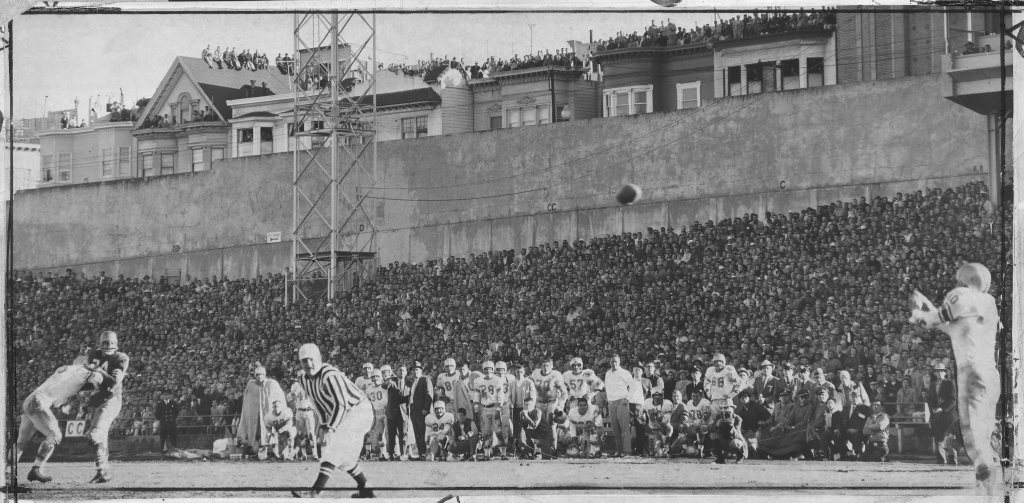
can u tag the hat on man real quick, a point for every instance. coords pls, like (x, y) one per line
(766, 363)
(804, 393)
(939, 367)
(788, 365)
(417, 365)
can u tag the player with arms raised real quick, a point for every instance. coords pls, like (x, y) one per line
(970, 318)
(582, 383)
(65, 383)
(105, 402)
(722, 383)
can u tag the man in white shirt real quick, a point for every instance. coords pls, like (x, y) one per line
(618, 383)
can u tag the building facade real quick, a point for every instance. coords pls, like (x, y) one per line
(103, 151)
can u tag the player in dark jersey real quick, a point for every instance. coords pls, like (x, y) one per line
(105, 402)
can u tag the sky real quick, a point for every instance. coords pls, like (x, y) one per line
(60, 57)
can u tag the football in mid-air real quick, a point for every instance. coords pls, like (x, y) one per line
(629, 194)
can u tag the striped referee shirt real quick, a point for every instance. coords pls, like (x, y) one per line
(332, 394)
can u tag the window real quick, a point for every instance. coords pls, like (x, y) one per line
(628, 101)
(790, 74)
(184, 108)
(245, 135)
(147, 165)
(513, 117)
(291, 128)
(496, 122)
(755, 79)
(414, 127)
(197, 159)
(107, 162)
(63, 167)
(123, 161)
(734, 81)
(815, 72)
(528, 115)
(47, 168)
(266, 134)
(166, 164)
(688, 95)
(216, 154)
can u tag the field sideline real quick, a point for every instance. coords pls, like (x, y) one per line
(505, 480)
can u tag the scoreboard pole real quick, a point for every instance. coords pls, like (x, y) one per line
(1017, 327)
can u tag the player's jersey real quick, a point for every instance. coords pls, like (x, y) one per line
(548, 386)
(579, 421)
(721, 384)
(508, 385)
(491, 391)
(378, 398)
(697, 413)
(971, 321)
(279, 421)
(470, 381)
(440, 425)
(363, 382)
(301, 401)
(656, 415)
(448, 383)
(583, 384)
(63, 385)
(114, 365)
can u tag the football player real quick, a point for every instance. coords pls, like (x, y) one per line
(364, 380)
(105, 402)
(700, 416)
(551, 391)
(451, 389)
(581, 382)
(439, 431)
(65, 384)
(586, 427)
(279, 421)
(721, 383)
(658, 410)
(491, 391)
(969, 317)
(504, 431)
(305, 421)
(379, 399)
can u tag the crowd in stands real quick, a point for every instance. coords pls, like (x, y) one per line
(433, 66)
(822, 288)
(244, 60)
(156, 121)
(747, 25)
(971, 48)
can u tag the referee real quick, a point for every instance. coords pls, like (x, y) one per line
(345, 416)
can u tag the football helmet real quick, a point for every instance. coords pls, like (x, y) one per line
(108, 342)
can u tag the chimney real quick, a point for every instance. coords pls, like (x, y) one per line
(265, 92)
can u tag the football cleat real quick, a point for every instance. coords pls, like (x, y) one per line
(101, 477)
(305, 494)
(36, 475)
(364, 493)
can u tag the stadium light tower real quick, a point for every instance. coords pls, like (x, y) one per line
(335, 153)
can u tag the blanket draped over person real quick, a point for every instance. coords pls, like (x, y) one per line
(256, 402)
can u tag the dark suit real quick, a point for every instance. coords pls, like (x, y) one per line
(420, 399)
(396, 420)
(167, 414)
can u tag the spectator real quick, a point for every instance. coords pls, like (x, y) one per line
(167, 413)
(618, 383)
(877, 430)
(420, 399)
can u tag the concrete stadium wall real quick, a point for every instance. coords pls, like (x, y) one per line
(468, 193)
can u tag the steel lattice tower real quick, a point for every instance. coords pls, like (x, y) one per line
(335, 151)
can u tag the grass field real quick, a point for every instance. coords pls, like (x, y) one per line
(506, 480)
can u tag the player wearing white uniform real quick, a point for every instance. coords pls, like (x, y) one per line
(658, 410)
(505, 411)
(699, 415)
(345, 415)
(279, 422)
(451, 389)
(439, 431)
(586, 425)
(379, 400)
(581, 382)
(970, 318)
(551, 391)
(364, 380)
(305, 422)
(722, 383)
(64, 384)
(491, 391)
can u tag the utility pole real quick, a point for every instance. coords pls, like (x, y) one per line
(531, 25)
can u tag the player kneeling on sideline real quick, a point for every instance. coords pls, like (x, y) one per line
(345, 416)
(585, 430)
(439, 431)
(729, 433)
(536, 436)
(466, 436)
(658, 411)
(279, 424)
(61, 387)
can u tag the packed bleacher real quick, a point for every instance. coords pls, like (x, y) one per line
(824, 288)
(747, 25)
(240, 60)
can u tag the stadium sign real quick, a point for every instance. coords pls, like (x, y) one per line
(274, 237)
(75, 429)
